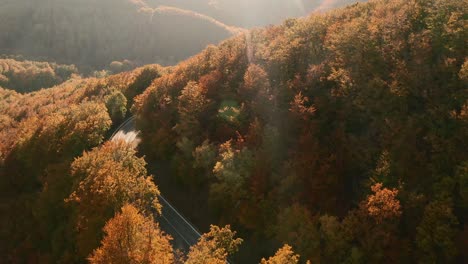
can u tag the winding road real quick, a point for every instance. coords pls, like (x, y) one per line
(184, 234)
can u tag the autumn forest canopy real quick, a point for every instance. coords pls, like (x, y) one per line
(337, 137)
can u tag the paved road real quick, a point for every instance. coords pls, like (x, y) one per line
(171, 221)
(127, 126)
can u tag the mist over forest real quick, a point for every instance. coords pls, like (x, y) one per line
(91, 34)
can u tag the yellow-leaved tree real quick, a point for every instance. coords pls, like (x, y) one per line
(284, 255)
(214, 246)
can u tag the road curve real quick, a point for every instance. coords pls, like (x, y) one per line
(172, 222)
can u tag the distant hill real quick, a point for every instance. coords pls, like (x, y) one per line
(91, 34)
(254, 13)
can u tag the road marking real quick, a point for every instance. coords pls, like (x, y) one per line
(175, 229)
(180, 216)
(122, 125)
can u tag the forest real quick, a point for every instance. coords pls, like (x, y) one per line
(27, 76)
(92, 34)
(340, 137)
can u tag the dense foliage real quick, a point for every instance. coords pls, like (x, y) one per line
(337, 138)
(343, 134)
(62, 195)
(119, 34)
(41, 134)
(28, 76)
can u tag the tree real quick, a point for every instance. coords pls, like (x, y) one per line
(296, 226)
(255, 82)
(142, 81)
(105, 179)
(132, 238)
(301, 107)
(256, 90)
(373, 227)
(232, 170)
(214, 246)
(192, 104)
(204, 155)
(436, 233)
(334, 243)
(116, 104)
(284, 255)
(383, 203)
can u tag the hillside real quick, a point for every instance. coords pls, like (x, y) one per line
(63, 189)
(340, 137)
(27, 76)
(92, 34)
(343, 135)
(41, 133)
(254, 13)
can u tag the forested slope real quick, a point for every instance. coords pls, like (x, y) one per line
(92, 34)
(41, 133)
(67, 197)
(342, 134)
(27, 76)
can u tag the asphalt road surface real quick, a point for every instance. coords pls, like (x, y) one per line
(171, 221)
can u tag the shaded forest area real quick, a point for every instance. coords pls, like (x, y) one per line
(92, 34)
(337, 138)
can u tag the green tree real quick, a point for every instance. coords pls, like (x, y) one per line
(232, 170)
(334, 243)
(205, 155)
(116, 104)
(296, 226)
(436, 233)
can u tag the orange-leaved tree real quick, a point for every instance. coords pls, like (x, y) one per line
(133, 238)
